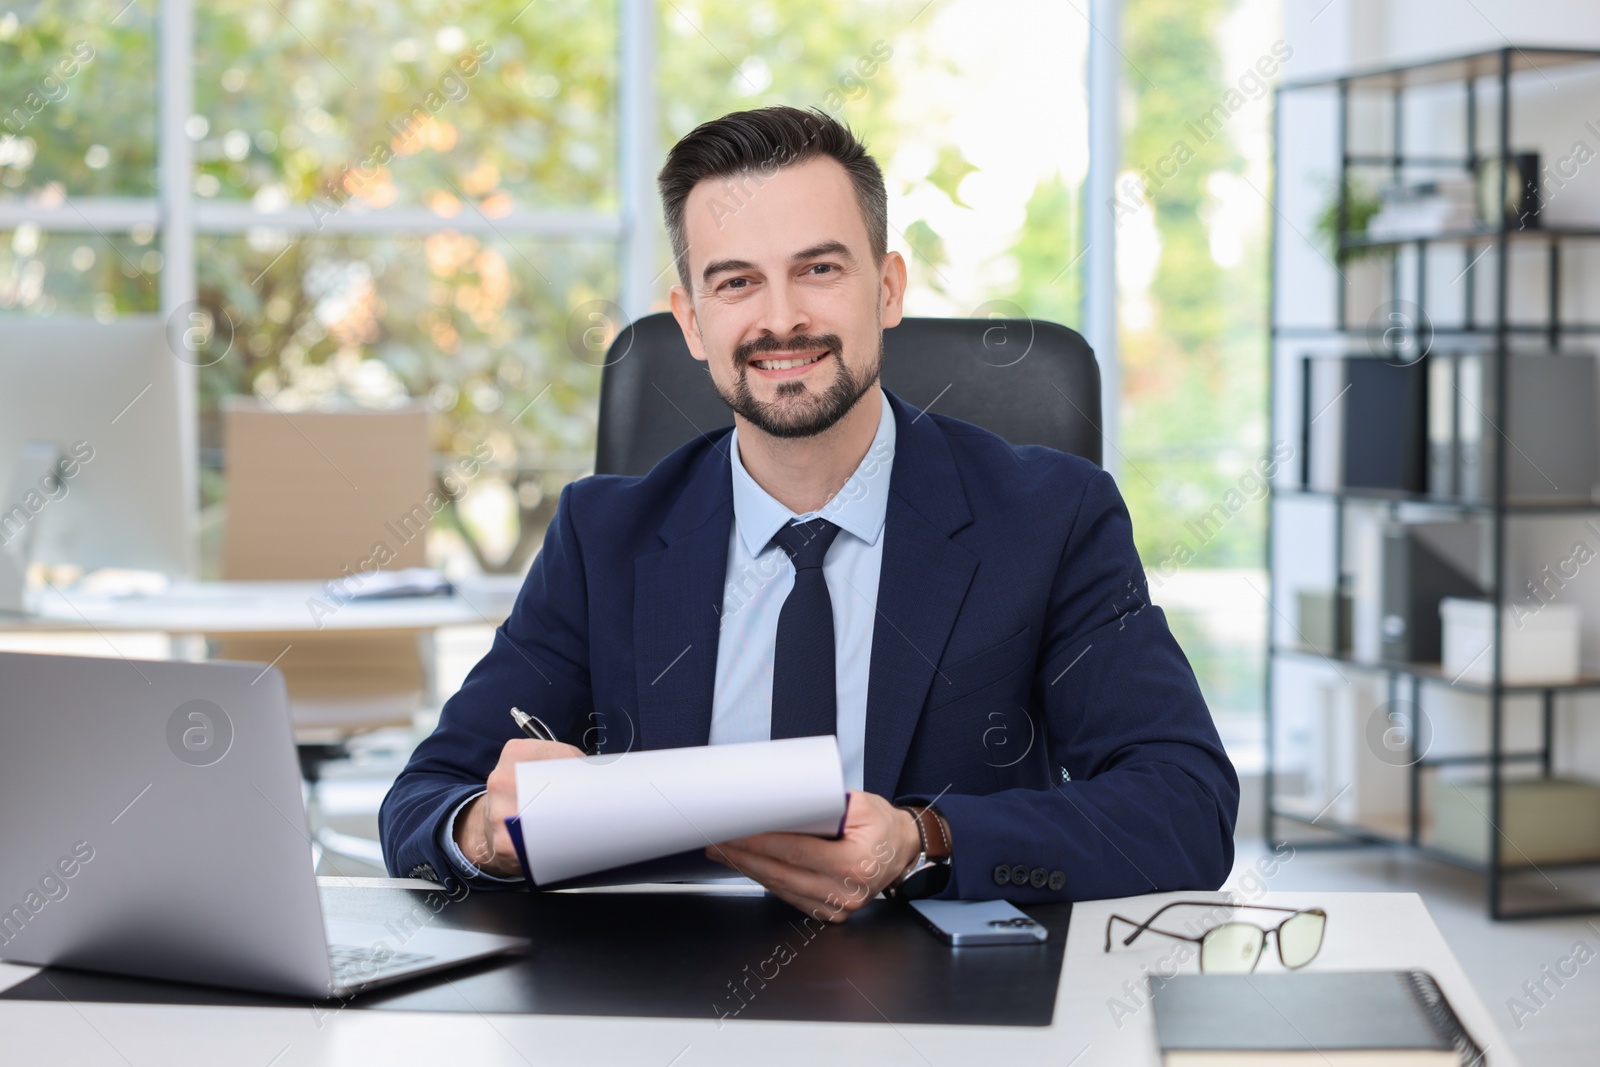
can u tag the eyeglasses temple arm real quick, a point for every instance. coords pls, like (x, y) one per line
(1140, 928)
(1115, 918)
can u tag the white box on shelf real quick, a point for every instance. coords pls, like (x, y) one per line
(1538, 646)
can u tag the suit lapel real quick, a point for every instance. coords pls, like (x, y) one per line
(924, 579)
(921, 586)
(677, 606)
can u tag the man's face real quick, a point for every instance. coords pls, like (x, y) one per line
(781, 271)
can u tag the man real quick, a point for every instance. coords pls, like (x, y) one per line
(968, 617)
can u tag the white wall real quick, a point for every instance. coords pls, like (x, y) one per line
(1413, 29)
(1332, 36)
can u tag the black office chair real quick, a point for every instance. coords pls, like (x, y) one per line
(1033, 383)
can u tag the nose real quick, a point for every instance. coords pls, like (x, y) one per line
(782, 312)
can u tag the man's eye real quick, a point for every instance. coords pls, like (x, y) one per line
(735, 283)
(822, 266)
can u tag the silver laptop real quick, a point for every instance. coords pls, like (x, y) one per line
(151, 824)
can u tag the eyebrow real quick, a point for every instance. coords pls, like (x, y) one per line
(825, 248)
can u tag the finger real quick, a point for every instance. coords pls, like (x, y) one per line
(832, 906)
(777, 875)
(727, 855)
(554, 750)
(527, 750)
(801, 850)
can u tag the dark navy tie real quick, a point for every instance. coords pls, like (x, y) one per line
(804, 693)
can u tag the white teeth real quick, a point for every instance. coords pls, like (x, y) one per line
(785, 364)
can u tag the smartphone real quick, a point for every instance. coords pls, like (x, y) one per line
(980, 922)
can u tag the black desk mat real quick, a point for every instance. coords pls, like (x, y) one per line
(666, 955)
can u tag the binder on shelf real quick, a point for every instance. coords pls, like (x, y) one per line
(1315, 610)
(1549, 430)
(1423, 563)
(1443, 428)
(1365, 424)
(1366, 589)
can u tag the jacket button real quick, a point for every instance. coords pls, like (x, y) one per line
(1002, 875)
(1019, 875)
(1038, 877)
(425, 871)
(1057, 880)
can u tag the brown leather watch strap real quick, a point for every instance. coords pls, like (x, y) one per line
(935, 831)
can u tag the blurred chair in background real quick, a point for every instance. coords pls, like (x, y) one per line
(327, 496)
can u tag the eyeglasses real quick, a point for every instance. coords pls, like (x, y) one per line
(1235, 947)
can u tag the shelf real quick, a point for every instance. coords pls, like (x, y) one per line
(1485, 507)
(1432, 672)
(1295, 811)
(1477, 235)
(1378, 159)
(1391, 832)
(1481, 81)
(1473, 759)
(1453, 68)
(1514, 328)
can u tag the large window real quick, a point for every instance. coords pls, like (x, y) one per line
(358, 203)
(455, 202)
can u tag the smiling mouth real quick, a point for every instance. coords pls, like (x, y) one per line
(786, 364)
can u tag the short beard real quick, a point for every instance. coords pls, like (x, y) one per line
(823, 410)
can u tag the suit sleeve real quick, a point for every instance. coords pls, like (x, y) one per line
(1149, 798)
(539, 662)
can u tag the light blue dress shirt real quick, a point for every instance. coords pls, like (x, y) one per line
(759, 579)
(760, 576)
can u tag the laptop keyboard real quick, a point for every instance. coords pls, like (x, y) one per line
(360, 963)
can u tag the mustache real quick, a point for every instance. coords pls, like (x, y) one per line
(799, 343)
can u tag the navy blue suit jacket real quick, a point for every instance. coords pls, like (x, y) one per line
(1018, 671)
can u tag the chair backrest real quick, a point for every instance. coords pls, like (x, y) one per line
(1033, 383)
(309, 495)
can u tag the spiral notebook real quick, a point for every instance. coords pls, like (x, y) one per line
(1347, 1018)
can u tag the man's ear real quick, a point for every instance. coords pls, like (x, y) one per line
(892, 286)
(688, 321)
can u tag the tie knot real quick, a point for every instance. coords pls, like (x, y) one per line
(806, 542)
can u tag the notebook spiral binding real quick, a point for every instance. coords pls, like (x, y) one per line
(1432, 1001)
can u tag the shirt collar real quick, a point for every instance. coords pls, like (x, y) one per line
(858, 508)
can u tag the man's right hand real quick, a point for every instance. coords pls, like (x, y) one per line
(480, 830)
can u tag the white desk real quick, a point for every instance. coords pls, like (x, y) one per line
(1365, 931)
(265, 608)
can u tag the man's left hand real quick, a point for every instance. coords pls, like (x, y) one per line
(826, 879)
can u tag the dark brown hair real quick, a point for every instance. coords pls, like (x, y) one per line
(758, 143)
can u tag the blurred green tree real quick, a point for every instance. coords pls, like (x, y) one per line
(1192, 379)
(464, 110)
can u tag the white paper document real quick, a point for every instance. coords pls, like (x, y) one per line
(581, 816)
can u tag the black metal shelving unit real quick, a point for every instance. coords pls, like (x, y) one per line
(1500, 71)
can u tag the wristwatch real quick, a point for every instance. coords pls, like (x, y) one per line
(929, 873)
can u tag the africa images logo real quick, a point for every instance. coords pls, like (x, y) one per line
(199, 733)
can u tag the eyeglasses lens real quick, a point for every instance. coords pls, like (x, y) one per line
(1232, 948)
(1300, 937)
